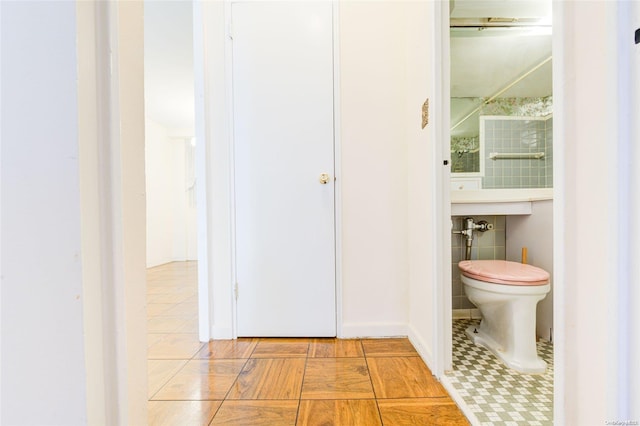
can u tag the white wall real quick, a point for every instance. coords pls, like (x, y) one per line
(373, 104)
(161, 199)
(634, 252)
(591, 155)
(422, 164)
(169, 110)
(43, 367)
(170, 217)
(535, 231)
(73, 277)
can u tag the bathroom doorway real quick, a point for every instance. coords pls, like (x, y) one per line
(500, 87)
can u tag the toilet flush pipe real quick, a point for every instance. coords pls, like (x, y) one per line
(469, 225)
(467, 251)
(468, 234)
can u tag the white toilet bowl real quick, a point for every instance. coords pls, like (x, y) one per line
(506, 293)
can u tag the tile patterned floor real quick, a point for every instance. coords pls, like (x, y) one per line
(279, 381)
(496, 394)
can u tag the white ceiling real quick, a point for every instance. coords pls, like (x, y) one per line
(168, 60)
(486, 60)
(482, 66)
(539, 9)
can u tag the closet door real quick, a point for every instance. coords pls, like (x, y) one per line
(284, 168)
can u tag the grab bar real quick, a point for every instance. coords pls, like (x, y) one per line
(516, 155)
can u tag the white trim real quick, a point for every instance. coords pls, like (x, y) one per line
(92, 33)
(124, 212)
(228, 60)
(442, 344)
(421, 346)
(202, 149)
(223, 333)
(373, 329)
(559, 299)
(337, 166)
(634, 244)
(622, 301)
(216, 285)
(89, 396)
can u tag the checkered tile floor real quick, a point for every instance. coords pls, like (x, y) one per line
(496, 394)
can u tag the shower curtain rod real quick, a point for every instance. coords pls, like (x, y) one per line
(509, 86)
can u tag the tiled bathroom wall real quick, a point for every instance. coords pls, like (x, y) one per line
(548, 153)
(486, 245)
(517, 135)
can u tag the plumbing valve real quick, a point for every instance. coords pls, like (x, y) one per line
(483, 226)
(469, 225)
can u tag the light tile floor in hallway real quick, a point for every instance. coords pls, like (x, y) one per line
(495, 394)
(279, 381)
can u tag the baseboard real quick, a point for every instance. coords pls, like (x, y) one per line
(421, 347)
(466, 314)
(155, 263)
(349, 331)
(373, 329)
(221, 333)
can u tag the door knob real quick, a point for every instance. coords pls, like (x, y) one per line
(324, 178)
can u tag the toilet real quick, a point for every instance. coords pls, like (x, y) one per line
(506, 293)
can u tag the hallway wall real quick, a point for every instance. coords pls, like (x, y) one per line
(170, 212)
(73, 345)
(373, 169)
(43, 364)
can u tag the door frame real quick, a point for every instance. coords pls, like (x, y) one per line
(217, 274)
(443, 318)
(442, 308)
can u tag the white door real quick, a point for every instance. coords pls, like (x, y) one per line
(283, 142)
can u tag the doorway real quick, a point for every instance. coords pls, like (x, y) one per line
(516, 93)
(284, 179)
(169, 133)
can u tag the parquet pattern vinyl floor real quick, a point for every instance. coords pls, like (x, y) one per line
(279, 381)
